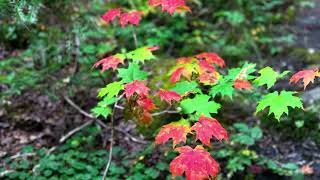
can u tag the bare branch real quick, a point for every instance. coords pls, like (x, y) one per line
(165, 112)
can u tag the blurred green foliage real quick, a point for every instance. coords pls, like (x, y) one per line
(43, 39)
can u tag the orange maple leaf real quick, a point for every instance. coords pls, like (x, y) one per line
(211, 58)
(109, 62)
(175, 131)
(307, 76)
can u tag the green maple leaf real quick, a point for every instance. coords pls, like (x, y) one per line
(246, 69)
(185, 87)
(279, 103)
(132, 73)
(140, 55)
(224, 88)
(201, 105)
(269, 77)
(101, 111)
(111, 90)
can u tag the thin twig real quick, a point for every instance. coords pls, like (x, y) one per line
(78, 108)
(164, 112)
(111, 140)
(2, 174)
(101, 123)
(75, 130)
(119, 107)
(22, 155)
(134, 34)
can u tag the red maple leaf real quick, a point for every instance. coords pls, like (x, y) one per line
(176, 75)
(111, 15)
(204, 65)
(153, 48)
(197, 164)
(132, 18)
(109, 62)
(206, 128)
(146, 103)
(176, 132)
(307, 76)
(136, 87)
(242, 84)
(208, 78)
(211, 58)
(170, 6)
(169, 96)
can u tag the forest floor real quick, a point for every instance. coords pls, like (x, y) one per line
(34, 118)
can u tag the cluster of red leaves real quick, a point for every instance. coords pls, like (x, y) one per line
(109, 62)
(170, 6)
(307, 76)
(146, 104)
(195, 163)
(205, 129)
(201, 64)
(133, 17)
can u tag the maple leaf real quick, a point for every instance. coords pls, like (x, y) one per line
(242, 73)
(101, 111)
(242, 84)
(206, 128)
(136, 87)
(204, 65)
(169, 96)
(110, 62)
(170, 6)
(208, 78)
(185, 67)
(306, 75)
(111, 89)
(200, 104)
(111, 14)
(131, 17)
(185, 87)
(211, 58)
(176, 75)
(132, 73)
(146, 103)
(269, 77)
(279, 103)
(177, 131)
(142, 54)
(224, 88)
(197, 164)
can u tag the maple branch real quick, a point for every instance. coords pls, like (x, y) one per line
(112, 136)
(119, 107)
(165, 112)
(101, 123)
